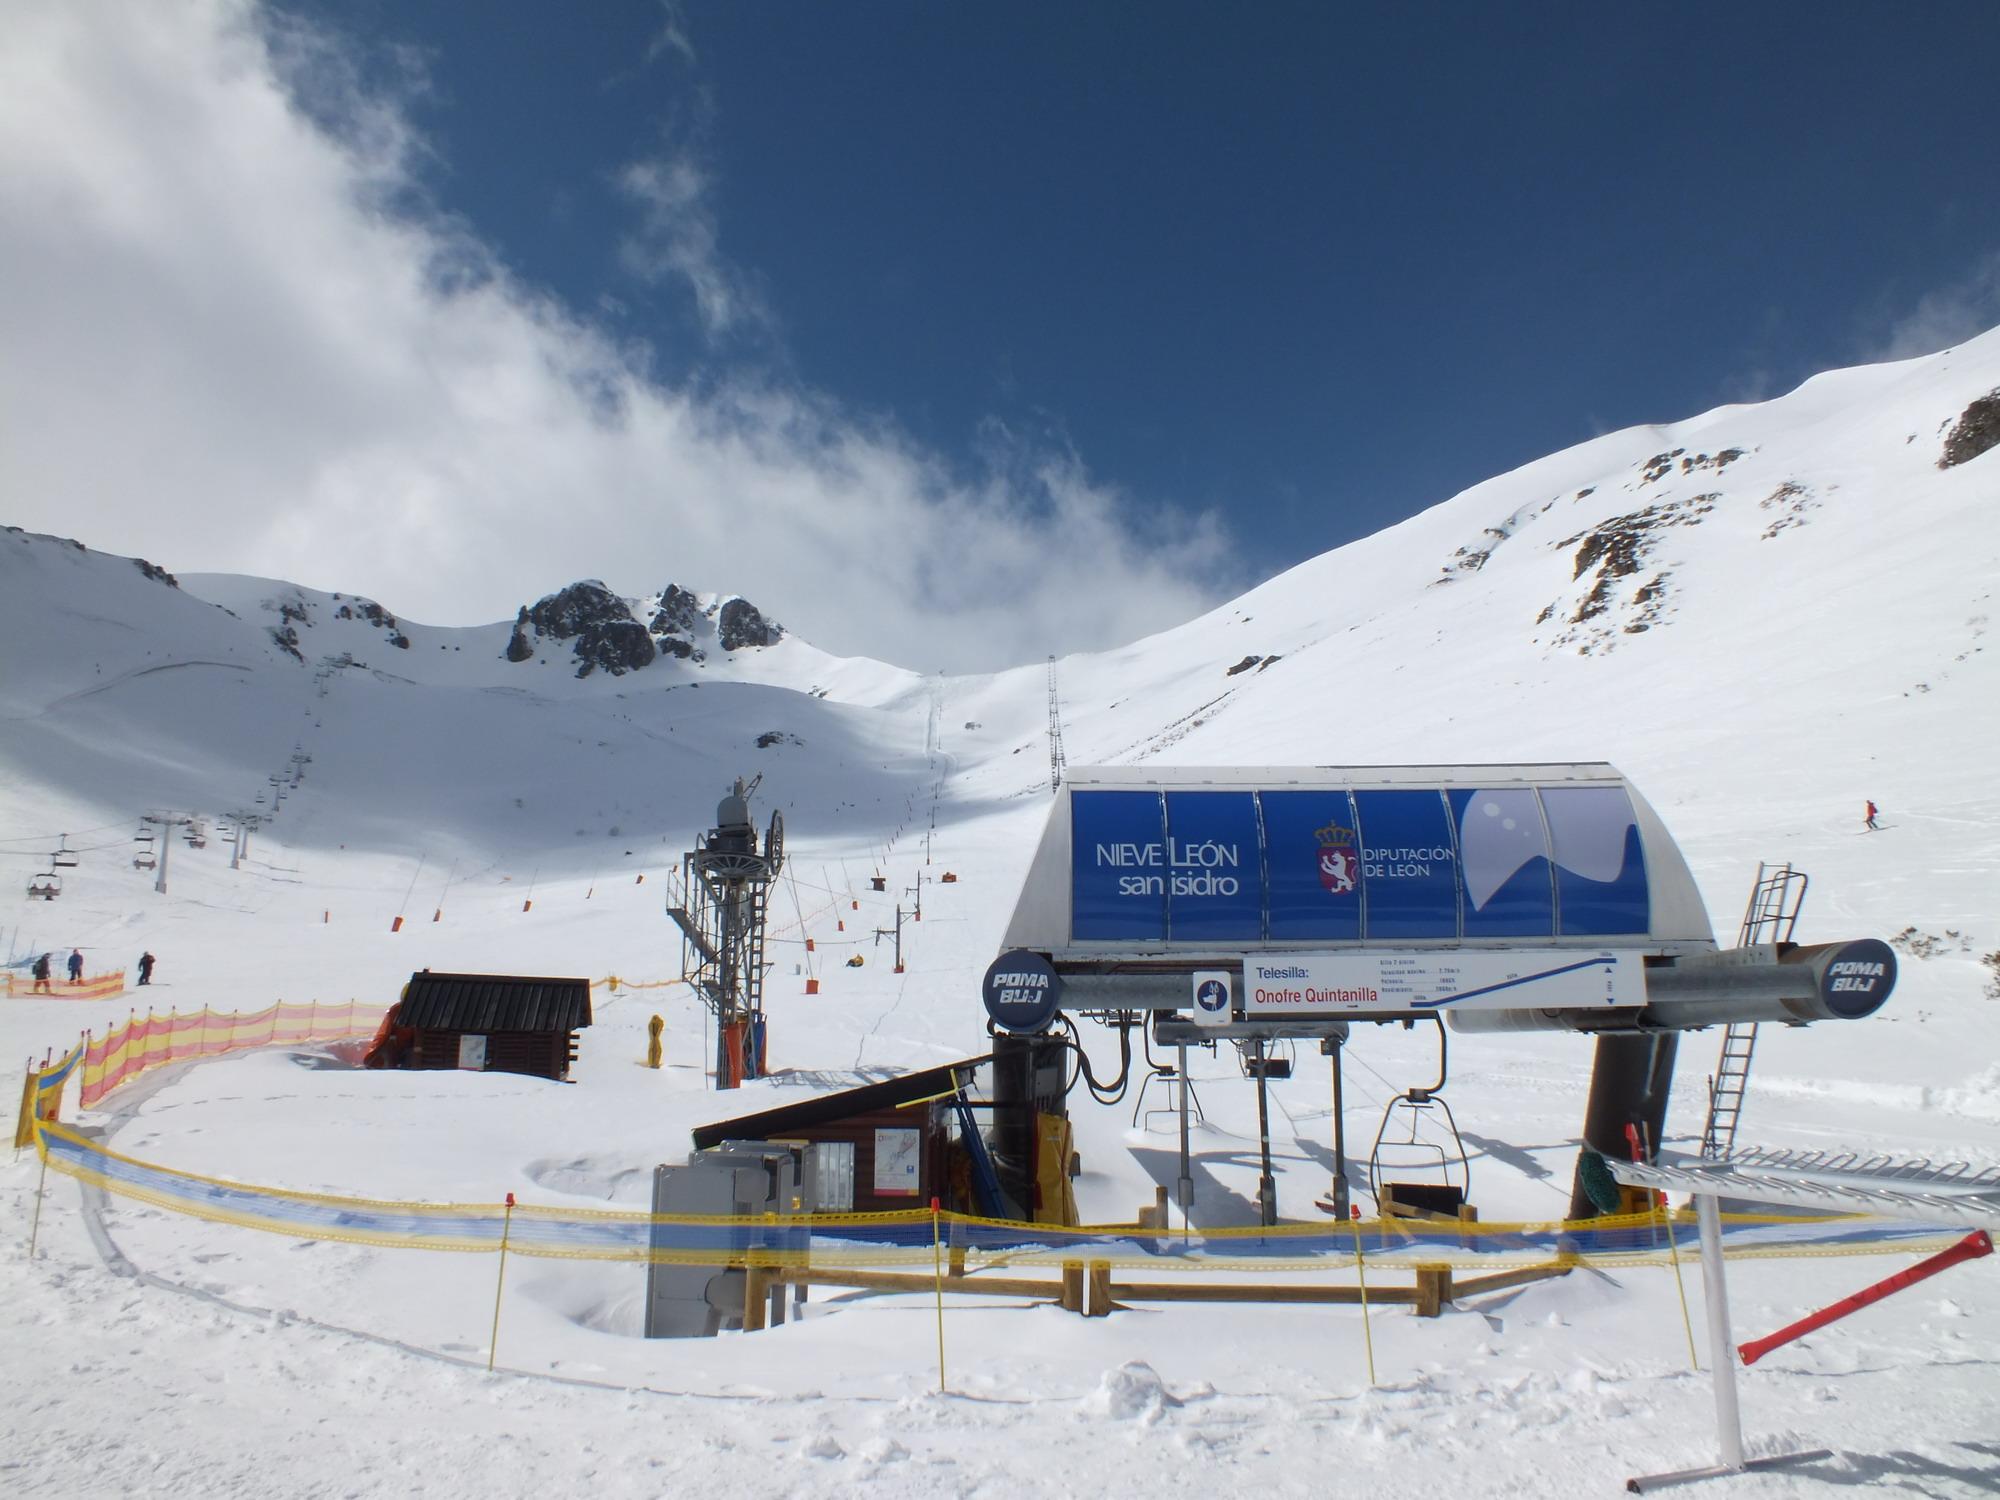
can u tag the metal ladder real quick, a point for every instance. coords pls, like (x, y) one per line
(1770, 916)
(753, 958)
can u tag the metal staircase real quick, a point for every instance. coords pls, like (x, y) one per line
(1770, 916)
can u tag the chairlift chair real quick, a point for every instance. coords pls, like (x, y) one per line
(1446, 1170)
(45, 886)
(144, 860)
(64, 857)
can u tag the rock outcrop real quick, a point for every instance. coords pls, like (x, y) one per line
(1976, 431)
(740, 624)
(597, 621)
(606, 634)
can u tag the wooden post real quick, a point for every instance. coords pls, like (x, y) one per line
(756, 1297)
(1100, 1289)
(1072, 1286)
(1433, 1290)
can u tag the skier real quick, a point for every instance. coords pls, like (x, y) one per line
(76, 966)
(1869, 822)
(41, 972)
(145, 968)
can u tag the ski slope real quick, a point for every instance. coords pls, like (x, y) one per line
(1760, 642)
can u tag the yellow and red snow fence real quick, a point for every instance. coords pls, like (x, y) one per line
(141, 1044)
(90, 987)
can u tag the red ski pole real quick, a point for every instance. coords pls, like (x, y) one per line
(1973, 1246)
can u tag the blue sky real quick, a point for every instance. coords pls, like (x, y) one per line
(951, 334)
(1313, 266)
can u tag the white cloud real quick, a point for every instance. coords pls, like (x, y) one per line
(1945, 315)
(236, 340)
(672, 35)
(676, 237)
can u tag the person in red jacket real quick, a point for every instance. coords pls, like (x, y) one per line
(1869, 823)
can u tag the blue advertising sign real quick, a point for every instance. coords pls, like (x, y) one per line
(1507, 880)
(1600, 869)
(1118, 866)
(1238, 868)
(1409, 864)
(1215, 880)
(1313, 860)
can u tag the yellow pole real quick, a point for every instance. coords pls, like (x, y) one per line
(506, 1226)
(1361, 1274)
(937, 1272)
(35, 1230)
(1687, 1323)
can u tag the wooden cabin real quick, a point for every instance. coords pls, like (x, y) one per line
(493, 1023)
(882, 1146)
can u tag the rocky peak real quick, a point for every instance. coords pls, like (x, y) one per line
(678, 613)
(740, 624)
(606, 632)
(595, 619)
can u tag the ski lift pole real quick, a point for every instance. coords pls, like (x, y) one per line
(1267, 1187)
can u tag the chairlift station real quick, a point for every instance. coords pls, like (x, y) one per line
(1290, 903)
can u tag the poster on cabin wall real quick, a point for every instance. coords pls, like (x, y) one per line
(897, 1154)
(472, 1053)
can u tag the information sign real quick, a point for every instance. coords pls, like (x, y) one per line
(898, 1154)
(1388, 982)
(1214, 996)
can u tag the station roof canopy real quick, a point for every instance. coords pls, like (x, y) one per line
(494, 1002)
(825, 1109)
(1181, 861)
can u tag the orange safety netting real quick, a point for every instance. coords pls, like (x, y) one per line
(91, 987)
(142, 1044)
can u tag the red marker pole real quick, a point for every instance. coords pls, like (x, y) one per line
(1972, 1247)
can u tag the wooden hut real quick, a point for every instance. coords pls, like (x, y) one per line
(882, 1146)
(495, 1023)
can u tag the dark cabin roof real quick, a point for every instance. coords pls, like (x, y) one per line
(824, 1109)
(494, 1002)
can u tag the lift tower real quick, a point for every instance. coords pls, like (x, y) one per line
(725, 886)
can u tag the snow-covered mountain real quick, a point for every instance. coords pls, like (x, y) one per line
(1756, 594)
(1763, 615)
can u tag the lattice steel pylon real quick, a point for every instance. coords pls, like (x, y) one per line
(724, 899)
(1770, 916)
(1057, 760)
